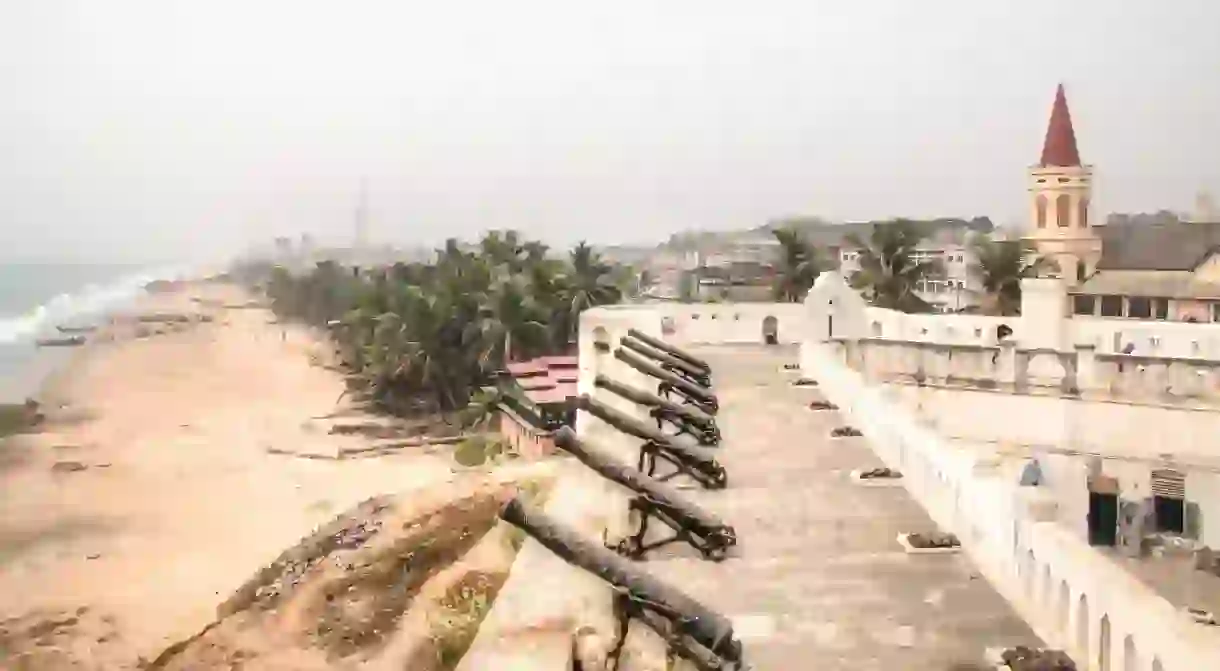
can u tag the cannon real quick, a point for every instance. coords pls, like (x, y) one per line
(693, 631)
(654, 500)
(697, 395)
(669, 349)
(669, 362)
(686, 458)
(687, 419)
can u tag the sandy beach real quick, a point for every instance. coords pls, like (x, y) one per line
(174, 469)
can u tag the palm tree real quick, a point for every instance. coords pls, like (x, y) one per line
(483, 408)
(590, 283)
(999, 266)
(797, 268)
(889, 270)
(426, 336)
(512, 324)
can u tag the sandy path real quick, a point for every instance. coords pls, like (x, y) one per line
(180, 502)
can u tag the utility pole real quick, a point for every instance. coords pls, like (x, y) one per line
(360, 244)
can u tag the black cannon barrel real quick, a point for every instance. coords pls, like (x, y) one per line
(690, 389)
(651, 400)
(634, 427)
(703, 625)
(696, 373)
(692, 456)
(668, 349)
(689, 515)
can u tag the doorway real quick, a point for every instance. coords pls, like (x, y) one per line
(1103, 518)
(1169, 500)
(770, 329)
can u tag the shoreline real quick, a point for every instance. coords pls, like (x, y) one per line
(154, 489)
(27, 368)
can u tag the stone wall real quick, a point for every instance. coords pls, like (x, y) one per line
(1073, 596)
(546, 602)
(1013, 368)
(686, 324)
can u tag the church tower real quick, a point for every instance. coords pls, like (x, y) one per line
(1060, 188)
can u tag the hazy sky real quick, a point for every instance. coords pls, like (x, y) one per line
(142, 127)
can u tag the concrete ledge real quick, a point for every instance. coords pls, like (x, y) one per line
(912, 550)
(547, 605)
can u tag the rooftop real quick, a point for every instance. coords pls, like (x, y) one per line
(818, 580)
(546, 380)
(1059, 148)
(1165, 246)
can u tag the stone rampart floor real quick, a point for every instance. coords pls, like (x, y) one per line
(819, 580)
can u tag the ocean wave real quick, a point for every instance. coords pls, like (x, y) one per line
(89, 301)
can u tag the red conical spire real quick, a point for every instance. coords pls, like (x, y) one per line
(1060, 146)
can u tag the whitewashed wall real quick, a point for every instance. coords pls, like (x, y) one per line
(701, 323)
(1072, 595)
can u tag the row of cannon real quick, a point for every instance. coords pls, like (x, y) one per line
(682, 443)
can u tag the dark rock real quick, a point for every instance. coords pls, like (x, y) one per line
(935, 539)
(845, 431)
(823, 405)
(880, 473)
(1022, 658)
(68, 467)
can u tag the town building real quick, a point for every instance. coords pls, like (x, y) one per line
(535, 402)
(954, 287)
(1162, 271)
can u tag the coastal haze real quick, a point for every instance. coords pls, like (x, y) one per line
(161, 129)
(297, 317)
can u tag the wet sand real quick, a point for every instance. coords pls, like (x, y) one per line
(165, 484)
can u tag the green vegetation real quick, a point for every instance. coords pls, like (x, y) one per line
(18, 418)
(798, 267)
(423, 337)
(1000, 265)
(478, 451)
(889, 268)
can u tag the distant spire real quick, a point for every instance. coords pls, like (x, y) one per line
(1060, 147)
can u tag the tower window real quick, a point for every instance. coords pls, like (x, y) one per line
(1082, 304)
(1111, 306)
(1079, 272)
(1040, 211)
(1139, 308)
(1160, 308)
(1063, 209)
(1084, 213)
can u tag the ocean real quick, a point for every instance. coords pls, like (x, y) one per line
(36, 297)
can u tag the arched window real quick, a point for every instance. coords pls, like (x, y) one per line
(1040, 211)
(1063, 210)
(1083, 215)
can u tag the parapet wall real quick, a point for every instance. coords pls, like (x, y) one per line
(686, 324)
(1073, 596)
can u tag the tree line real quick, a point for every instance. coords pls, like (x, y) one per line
(423, 337)
(891, 270)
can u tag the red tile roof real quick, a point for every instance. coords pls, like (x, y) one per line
(548, 379)
(561, 361)
(1059, 149)
(556, 394)
(523, 368)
